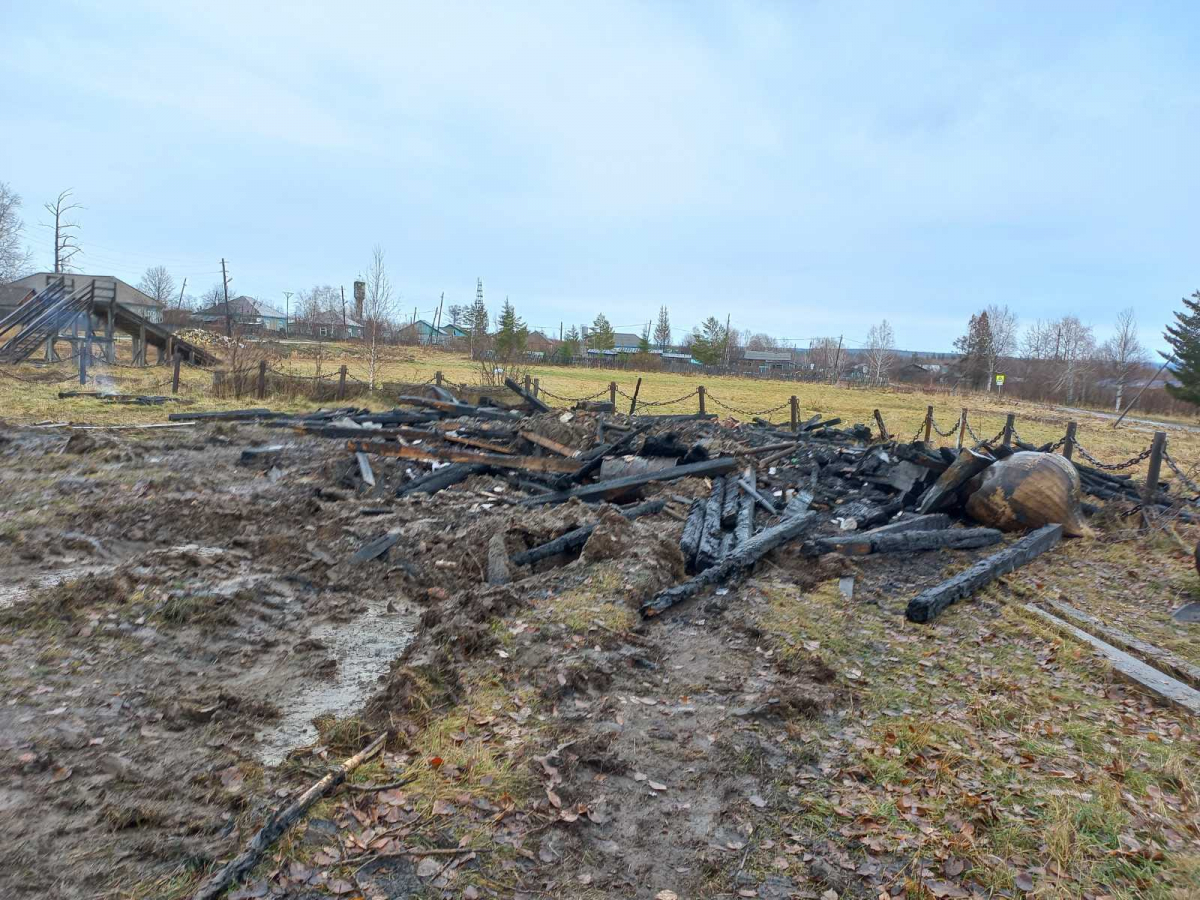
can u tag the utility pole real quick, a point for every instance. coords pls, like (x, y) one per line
(287, 303)
(343, 308)
(837, 360)
(560, 331)
(182, 288)
(726, 340)
(225, 285)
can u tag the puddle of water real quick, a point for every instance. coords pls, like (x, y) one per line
(364, 649)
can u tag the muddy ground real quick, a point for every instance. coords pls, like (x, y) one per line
(185, 643)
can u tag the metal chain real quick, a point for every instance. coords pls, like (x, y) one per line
(747, 412)
(1174, 467)
(555, 396)
(999, 436)
(642, 402)
(1112, 467)
(951, 430)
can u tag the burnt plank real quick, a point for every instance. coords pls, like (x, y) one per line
(439, 479)
(907, 541)
(766, 504)
(710, 535)
(744, 528)
(446, 454)
(550, 444)
(376, 548)
(615, 487)
(926, 606)
(740, 560)
(364, 469)
(534, 403)
(460, 409)
(693, 528)
(733, 499)
(577, 537)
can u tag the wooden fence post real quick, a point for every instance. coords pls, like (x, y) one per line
(795, 405)
(883, 432)
(1156, 456)
(218, 380)
(437, 378)
(1007, 438)
(341, 394)
(636, 390)
(262, 378)
(962, 428)
(528, 384)
(83, 357)
(612, 394)
(537, 387)
(928, 423)
(175, 373)
(700, 394)
(1069, 443)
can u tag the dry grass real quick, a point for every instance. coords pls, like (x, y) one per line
(903, 411)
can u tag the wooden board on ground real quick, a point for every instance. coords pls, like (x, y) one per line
(616, 487)
(446, 454)
(1147, 677)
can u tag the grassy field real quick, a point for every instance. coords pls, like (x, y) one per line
(29, 393)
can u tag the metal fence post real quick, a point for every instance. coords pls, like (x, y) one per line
(1156, 456)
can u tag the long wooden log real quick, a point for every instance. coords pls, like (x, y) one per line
(740, 560)
(577, 537)
(446, 454)
(906, 542)
(693, 528)
(766, 504)
(929, 603)
(460, 409)
(227, 415)
(477, 443)
(444, 477)
(616, 487)
(744, 528)
(1147, 677)
(710, 534)
(594, 458)
(930, 522)
(534, 402)
(732, 501)
(242, 864)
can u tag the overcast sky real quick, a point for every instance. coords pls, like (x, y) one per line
(806, 168)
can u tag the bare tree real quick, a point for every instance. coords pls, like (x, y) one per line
(14, 259)
(66, 244)
(1123, 354)
(825, 355)
(1002, 322)
(158, 283)
(761, 342)
(881, 340)
(377, 305)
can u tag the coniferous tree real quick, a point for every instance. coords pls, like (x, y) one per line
(511, 333)
(976, 349)
(644, 342)
(602, 336)
(569, 348)
(662, 331)
(1184, 338)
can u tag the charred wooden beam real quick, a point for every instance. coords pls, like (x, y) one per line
(376, 548)
(740, 560)
(460, 409)
(766, 504)
(931, 522)
(446, 454)
(534, 403)
(744, 528)
(733, 499)
(617, 487)
(227, 415)
(440, 393)
(439, 479)
(906, 542)
(549, 444)
(929, 603)
(477, 443)
(693, 529)
(710, 536)
(594, 458)
(577, 537)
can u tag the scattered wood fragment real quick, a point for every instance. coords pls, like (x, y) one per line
(744, 528)
(930, 522)
(376, 547)
(441, 478)
(1163, 660)
(477, 443)
(226, 415)
(364, 469)
(762, 501)
(710, 535)
(1147, 677)
(460, 409)
(929, 603)
(440, 454)
(693, 529)
(277, 824)
(617, 487)
(740, 560)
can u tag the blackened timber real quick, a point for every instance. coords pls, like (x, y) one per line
(710, 535)
(930, 522)
(928, 604)
(616, 487)
(744, 529)
(766, 504)
(227, 415)
(907, 542)
(440, 393)
(446, 454)
(376, 548)
(540, 440)
(477, 443)
(740, 560)
(594, 458)
(729, 509)
(439, 479)
(693, 528)
(460, 409)
(534, 403)
(577, 537)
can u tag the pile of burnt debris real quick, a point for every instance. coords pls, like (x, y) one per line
(823, 488)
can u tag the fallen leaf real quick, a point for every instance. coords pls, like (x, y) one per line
(941, 889)
(428, 867)
(666, 895)
(61, 773)
(656, 786)
(756, 800)
(1024, 882)
(443, 808)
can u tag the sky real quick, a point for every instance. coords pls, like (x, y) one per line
(805, 168)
